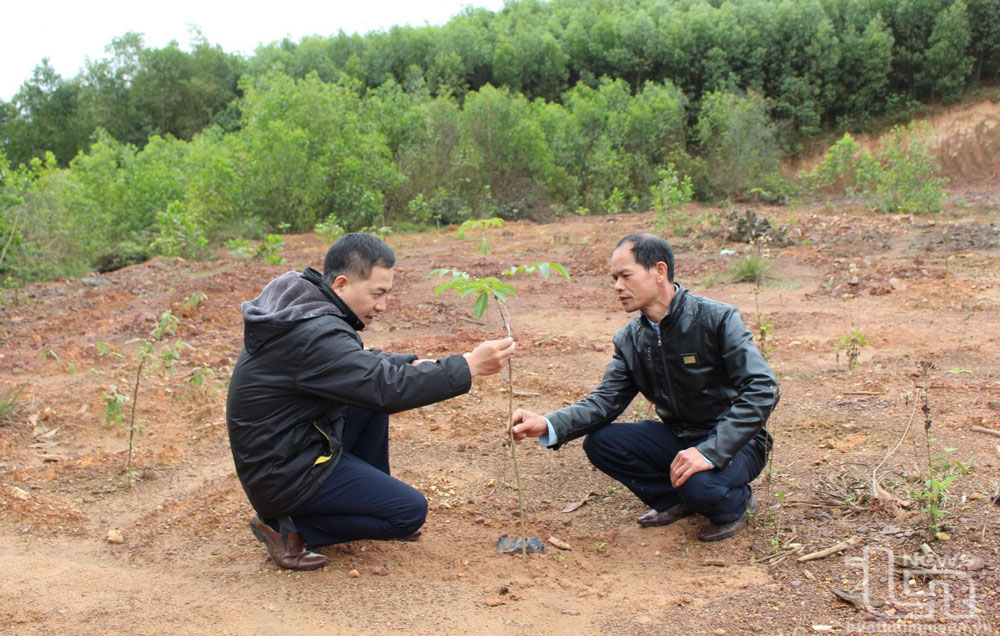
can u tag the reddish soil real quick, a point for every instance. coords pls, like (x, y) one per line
(921, 289)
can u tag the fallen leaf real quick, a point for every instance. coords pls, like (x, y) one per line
(559, 543)
(577, 504)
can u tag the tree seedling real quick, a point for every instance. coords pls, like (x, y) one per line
(481, 225)
(851, 344)
(146, 354)
(493, 287)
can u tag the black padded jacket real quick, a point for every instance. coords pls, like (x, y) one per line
(302, 366)
(702, 372)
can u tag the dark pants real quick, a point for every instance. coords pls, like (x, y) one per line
(360, 500)
(639, 455)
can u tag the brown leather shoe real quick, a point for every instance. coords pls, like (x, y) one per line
(288, 553)
(712, 532)
(665, 518)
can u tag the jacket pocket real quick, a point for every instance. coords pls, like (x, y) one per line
(322, 459)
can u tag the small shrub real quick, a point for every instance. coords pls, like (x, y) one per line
(329, 229)
(669, 196)
(266, 252)
(181, 232)
(901, 176)
(8, 403)
(851, 345)
(752, 268)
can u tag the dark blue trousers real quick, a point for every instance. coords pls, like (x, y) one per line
(360, 500)
(639, 455)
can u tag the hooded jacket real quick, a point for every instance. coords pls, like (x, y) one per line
(302, 366)
(708, 381)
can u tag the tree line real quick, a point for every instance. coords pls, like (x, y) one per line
(541, 108)
(820, 62)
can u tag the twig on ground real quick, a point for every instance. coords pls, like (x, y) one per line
(843, 545)
(988, 431)
(875, 488)
(549, 337)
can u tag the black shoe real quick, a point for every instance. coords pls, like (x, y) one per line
(665, 518)
(712, 532)
(410, 537)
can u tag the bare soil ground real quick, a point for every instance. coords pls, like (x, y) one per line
(920, 289)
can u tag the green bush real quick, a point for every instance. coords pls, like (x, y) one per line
(669, 196)
(738, 140)
(181, 233)
(901, 177)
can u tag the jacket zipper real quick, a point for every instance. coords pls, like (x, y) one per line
(666, 372)
(322, 459)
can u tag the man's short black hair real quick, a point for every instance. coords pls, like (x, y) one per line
(648, 250)
(354, 255)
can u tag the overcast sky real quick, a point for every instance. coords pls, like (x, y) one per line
(68, 32)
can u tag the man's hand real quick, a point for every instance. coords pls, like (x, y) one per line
(527, 424)
(687, 462)
(488, 357)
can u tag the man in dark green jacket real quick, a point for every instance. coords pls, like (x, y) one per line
(694, 360)
(308, 406)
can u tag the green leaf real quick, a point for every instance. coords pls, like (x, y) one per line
(480, 307)
(545, 269)
(559, 268)
(507, 290)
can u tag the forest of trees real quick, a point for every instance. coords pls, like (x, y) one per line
(538, 109)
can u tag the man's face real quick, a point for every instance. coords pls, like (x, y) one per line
(366, 298)
(635, 286)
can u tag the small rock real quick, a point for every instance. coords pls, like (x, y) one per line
(559, 543)
(19, 493)
(494, 602)
(114, 536)
(942, 536)
(975, 564)
(720, 632)
(354, 574)
(571, 612)
(379, 570)
(976, 496)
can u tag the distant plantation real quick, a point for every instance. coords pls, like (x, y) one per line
(538, 110)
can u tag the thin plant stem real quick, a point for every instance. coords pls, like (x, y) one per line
(131, 423)
(906, 430)
(510, 432)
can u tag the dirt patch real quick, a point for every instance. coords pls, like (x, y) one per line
(187, 562)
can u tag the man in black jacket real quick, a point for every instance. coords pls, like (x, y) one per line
(308, 406)
(694, 360)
